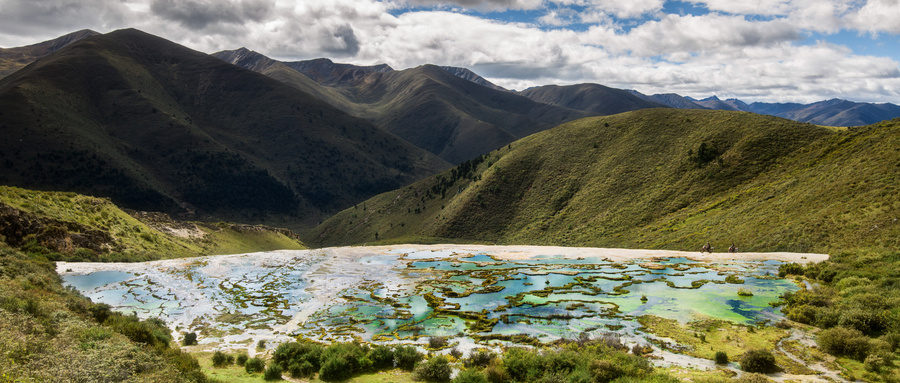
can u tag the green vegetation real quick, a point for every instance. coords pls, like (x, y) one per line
(760, 361)
(190, 339)
(341, 361)
(436, 369)
(774, 185)
(72, 227)
(721, 357)
(43, 323)
(602, 360)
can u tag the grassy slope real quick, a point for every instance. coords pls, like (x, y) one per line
(627, 181)
(589, 97)
(132, 239)
(156, 126)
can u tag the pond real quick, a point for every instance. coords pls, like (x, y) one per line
(406, 293)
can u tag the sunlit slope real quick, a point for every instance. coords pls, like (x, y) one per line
(636, 180)
(69, 226)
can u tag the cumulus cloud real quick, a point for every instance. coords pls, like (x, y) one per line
(484, 5)
(737, 49)
(198, 14)
(876, 16)
(22, 20)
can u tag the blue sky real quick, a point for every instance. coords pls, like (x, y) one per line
(760, 50)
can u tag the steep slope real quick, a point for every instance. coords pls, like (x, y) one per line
(669, 99)
(466, 74)
(156, 126)
(13, 59)
(595, 98)
(450, 116)
(71, 227)
(655, 178)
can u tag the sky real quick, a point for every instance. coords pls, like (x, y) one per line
(755, 50)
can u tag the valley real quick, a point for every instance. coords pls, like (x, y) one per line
(163, 210)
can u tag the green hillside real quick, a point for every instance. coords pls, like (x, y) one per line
(654, 178)
(158, 127)
(73, 227)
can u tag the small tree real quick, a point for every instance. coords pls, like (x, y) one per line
(436, 369)
(190, 339)
(254, 365)
(761, 361)
(242, 359)
(721, 357)
(272, 373)
(219, 359)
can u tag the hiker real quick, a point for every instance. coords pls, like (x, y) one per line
(707, 248)
(733, 248)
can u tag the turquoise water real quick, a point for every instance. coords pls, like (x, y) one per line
(439, 293)
(551, 297)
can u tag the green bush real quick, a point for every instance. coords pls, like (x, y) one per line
(220, 359)
(272, 373)
(241, 360)
(479, 359)
(382, 357)
(495, 373)
(300, 360)
(721, 357)
(340, 361)
(436, 369)
(470, 376)
(406, 357)
(841, 341)
(190, 339)
(254, 365)
(761, 361)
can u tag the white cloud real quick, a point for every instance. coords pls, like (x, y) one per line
(737, 50)
(877, 16)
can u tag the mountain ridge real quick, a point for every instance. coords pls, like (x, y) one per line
(653, 178)
(156, 126)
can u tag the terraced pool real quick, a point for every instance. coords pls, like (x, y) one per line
(403, 294)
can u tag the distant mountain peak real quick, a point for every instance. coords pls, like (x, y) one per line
(467, 74)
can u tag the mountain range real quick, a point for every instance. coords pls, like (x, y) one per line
(156, 126)
(452, 117)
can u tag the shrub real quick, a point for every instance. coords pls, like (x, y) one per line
(841, 341)
(605, 371)
(436, 369)
(381, 356)
(219, 359)
(495, 373)
(470, 376)
(454, 352)
(342, 360)
(298, 359)
(761, 361)
(721, 357)
(261, 343)
(479, 359)
(241, 359)
(254, 365)
(190, 339)
(437, 342)
(406, 357)
(874, 363)
(272, 373)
